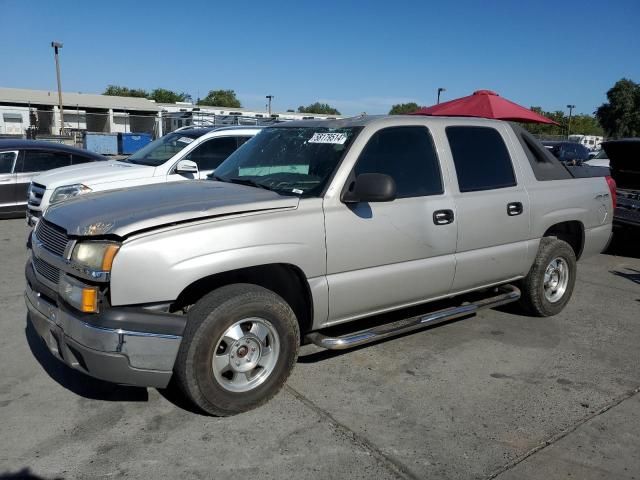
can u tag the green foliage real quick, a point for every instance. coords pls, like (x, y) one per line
(162, 95)
(620, 116)
(118, 91)
(220, 98)
(403, 108)
(320, 108)
(580, 124)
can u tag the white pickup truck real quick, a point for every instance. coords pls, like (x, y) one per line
(310, 226)
(188, 153)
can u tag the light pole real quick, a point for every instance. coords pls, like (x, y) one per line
(570, 107)
(440, 90)
(269, 97)
(56, 46)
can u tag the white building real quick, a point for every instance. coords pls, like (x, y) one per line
(22, 109)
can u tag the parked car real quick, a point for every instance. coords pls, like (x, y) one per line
(568, 152)
(600, 159)
(21, 160)
(186, 154)
(624, 155)
(591, 142)
(310, 225)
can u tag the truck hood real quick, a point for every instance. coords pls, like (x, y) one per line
(93, 173)
(125, 211)
(624, 161)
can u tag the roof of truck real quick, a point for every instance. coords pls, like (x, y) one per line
(364, 120)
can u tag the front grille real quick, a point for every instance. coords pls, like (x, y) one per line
(49, 272)
(36, 191)
(53, 238)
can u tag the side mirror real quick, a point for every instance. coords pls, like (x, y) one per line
(187, 166)
(371, 187)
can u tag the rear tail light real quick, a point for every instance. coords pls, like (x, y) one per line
(612, 188)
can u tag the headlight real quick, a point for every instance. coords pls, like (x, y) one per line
(79, 295)
(95, 255)
(61, 194)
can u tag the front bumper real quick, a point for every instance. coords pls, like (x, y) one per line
(105, 348)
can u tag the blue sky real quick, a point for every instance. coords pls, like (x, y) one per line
(356, 55)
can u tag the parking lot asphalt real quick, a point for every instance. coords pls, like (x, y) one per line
(499, 395)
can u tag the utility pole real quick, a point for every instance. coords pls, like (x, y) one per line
(269, 97)
(56, 46)
(440, 90)
(570, 107)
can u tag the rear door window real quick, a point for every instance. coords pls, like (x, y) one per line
(39, 161)
(481, 158)
(6, 162)
(408, 155)
(213, 152)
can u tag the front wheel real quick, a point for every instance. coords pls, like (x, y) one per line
(238, 349)
(549, 284)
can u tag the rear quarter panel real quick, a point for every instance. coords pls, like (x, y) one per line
(574, 199)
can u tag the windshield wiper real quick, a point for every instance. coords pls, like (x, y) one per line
(251, 183)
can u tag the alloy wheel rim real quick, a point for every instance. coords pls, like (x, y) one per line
(246, 354)
(556, 279)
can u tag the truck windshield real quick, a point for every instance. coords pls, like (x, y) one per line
(288, 160)
(161, 150)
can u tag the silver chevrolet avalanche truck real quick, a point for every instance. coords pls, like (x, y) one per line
(215, 284)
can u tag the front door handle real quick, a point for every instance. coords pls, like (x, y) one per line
(514, 208)
(443, 217)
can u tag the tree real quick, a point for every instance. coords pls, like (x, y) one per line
(118, 91)
(580, 124)
(586, 125)
(402, 108)
(620, 116)
(162, 95)
(320, 108)
(221, 98)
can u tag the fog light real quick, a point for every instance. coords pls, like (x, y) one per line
(79, 295)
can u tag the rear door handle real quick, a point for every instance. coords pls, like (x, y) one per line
(514, 208)
(443, 217)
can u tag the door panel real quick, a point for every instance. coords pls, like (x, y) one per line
(7, 182)
(386, 255)
(382, 256)
(23, 179)
(492, 245)
(493, 209)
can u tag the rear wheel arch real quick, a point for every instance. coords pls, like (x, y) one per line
(571, 232)
(286, 280)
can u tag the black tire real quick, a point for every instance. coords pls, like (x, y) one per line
(209, 319)
(533, 299)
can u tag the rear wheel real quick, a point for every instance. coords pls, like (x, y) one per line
(548, 286)
(238, 349)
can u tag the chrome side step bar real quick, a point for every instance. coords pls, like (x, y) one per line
(505, 294)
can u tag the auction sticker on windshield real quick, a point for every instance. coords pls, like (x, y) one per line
(333, 138)
(186, 140)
